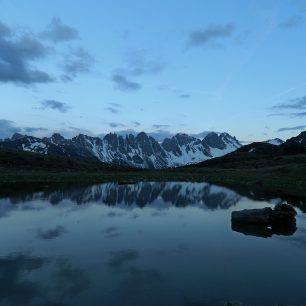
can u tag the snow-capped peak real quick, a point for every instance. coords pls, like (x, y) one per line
(275, 141)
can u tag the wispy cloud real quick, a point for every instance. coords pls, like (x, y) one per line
(115, 124)
(77, 62)
(59, 32)
(123, 83)
(293, 104)
(292, 22)
(160, 126)
(55, 105)
(298, 103)
(210, 34)
(112, 110)
(116, 105)
(185, 96)
(8, 128)
(140, 63)
(295, 128)
(135, 123)
(289, 115)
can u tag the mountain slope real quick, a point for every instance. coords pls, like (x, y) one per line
(11, 160)
(262, 154)
(141, 151)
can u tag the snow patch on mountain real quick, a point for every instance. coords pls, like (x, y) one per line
(275, 141)
(141, 151)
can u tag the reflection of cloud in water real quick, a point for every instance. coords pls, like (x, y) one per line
(182, 248)
(112, 232)
(13, 288)
(70, 281)
(119, 258)
(51, 233)
(113, 214)
(19, 288)
(158, 214)
(299, 239)
(6, 208)
(136, 280)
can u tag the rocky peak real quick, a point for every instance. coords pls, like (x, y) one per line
(142, 136)
(183, 139)
(57, 138)
(214, 140)
(17, 136)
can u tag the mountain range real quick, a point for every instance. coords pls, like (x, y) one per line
(140, 151)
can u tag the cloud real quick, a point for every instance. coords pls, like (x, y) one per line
(160, 135)
(292, 22)
(4, 30)
(116, 105)
(59, 32)
(32, 129)
(303, 114)
(78, 61)
(125, 84)
(114, 124)
(138, 63)
(295, 128)
(55, 105)
(185, 96)
(135, 123)
(160, 126)
(290, 115)
(210, 34)
(293, 104)
(298, 103)
(8, 128)
(71, 131)
(113, 110)
(17, 55)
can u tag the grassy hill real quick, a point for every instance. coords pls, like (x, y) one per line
(14, 160)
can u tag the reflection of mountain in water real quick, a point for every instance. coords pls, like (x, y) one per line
(141, 194)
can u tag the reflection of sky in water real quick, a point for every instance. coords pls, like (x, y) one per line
(143, 244)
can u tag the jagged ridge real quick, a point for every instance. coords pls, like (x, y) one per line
(140, 151)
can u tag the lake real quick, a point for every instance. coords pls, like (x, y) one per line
(144, 244)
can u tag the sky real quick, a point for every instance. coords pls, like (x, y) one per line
(162, 66)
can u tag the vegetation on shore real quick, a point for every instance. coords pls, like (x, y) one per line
(281, 176)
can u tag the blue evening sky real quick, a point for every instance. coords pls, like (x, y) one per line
(98, 66)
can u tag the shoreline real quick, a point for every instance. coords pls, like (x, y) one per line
(281, 181)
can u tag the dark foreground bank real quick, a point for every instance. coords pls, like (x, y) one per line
(283, 176)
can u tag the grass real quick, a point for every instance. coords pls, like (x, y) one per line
(281, 176)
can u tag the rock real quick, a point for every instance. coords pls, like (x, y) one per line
(264, 231)
(281, 213)
(266, 221)
(251, 216)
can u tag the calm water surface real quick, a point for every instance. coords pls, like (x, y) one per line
(144, 244)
